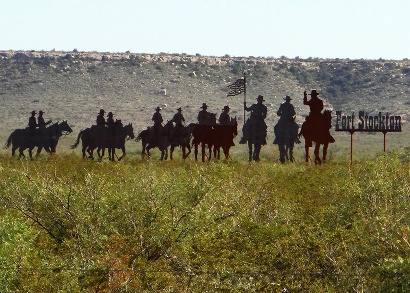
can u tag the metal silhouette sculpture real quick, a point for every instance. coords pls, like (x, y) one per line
(286, 131)
(117, 138)
(224, 135)
(180, 136)
(46, 138)
(316, 128)
(255, 129)
(169, 136)
(99, 137)
(215, 137)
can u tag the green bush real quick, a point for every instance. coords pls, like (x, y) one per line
(182, 226)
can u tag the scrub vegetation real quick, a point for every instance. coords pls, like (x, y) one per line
(74, 225)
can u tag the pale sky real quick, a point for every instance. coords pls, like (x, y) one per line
(369, 29)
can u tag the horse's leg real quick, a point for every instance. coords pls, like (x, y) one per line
(203, 151)
(30, 152)
(307, 155)
(250, 150)
(317, 154)
(13, 150)
(325, 146)
(39, 150)
(21, 153)
(166, 153)
(256, 152)
(291, 157)
(171, 151)
(196, 152)
(123, 153)
(282, 153)
(90, 151)
(209, 151)
(83, 150)
(226, 152)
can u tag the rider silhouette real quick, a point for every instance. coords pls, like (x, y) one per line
(110, 119)
(100, 118)
(286, 110)
(40, 121)
(32, 124)
(315, 104)
(256, 121)
(178, 119)
(157, 118)
(203, 115)
(224, 118)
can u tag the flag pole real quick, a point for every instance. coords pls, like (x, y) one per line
(244, 95)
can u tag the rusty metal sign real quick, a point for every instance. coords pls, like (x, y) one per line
(365, 122)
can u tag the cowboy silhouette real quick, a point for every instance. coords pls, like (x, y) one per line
(178, 118)
(203, 115)
(32, 123)
(256, 120)
(41, 122)
(100, 118)
(157, 118)
(224, 118)
(315, 104)
(286, 110)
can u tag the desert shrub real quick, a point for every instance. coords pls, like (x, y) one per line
(75, 225)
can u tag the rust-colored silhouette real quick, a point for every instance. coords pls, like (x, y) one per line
(316, 128)
(254, 130)
(214, 136)
(286, 131)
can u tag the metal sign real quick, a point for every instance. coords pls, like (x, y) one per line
(366, 122)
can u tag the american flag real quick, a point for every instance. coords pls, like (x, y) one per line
(237, 88)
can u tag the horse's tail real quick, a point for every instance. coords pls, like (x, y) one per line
(9, 141)
(78, 140)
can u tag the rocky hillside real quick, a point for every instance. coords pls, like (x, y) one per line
(74, 85)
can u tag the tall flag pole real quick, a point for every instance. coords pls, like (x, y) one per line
(237, 88)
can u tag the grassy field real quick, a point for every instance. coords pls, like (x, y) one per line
(74, 225)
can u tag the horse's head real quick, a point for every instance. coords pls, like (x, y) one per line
(64, 127)
(129, 131)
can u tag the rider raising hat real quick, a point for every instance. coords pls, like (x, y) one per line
(315, 104)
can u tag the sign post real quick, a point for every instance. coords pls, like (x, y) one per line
(367, 123)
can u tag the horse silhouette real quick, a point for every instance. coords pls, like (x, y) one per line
(286, 131)
(46, 138)
(151, 140)
(169, 136)
(101, 137)
(214, 136)
(117, 136)
(255, 137)
(317, 129)
(180, 136)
